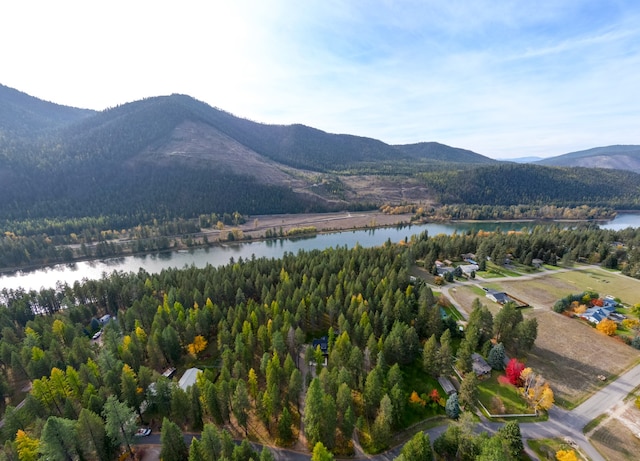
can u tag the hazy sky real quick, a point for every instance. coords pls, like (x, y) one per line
(502, 78)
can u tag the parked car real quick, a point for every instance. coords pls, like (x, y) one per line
(142, 432)
(97, 335)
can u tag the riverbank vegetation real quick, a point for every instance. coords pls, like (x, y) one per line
(36, 242)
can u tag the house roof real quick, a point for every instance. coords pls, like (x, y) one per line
(479, 364)
(468, 268)
(323, 343)
(499, 296)
(188, 378)
(447, 385)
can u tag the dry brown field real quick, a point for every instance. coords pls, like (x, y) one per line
(616, 442)
(571, 354)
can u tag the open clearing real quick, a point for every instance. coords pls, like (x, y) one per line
(256, 226)
(571, 354)
(603, 282)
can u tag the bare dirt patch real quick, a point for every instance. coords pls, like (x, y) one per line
(571, 354)
(465, 295)
(615, 441)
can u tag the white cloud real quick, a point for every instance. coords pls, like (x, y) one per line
(503, 79)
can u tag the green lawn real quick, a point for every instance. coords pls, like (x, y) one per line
(605, 283)
(453, 313)
(501, 398)
(493, 270)
(415, 379)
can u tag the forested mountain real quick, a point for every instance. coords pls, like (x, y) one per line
(443, 153)
(617, 157)
(173, 157)
(511, 183)
(24, 115)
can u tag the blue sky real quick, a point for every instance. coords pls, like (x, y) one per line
(503, 78)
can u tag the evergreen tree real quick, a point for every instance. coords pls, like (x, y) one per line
(241, 405)
(120, 422)
(445, 354)
(429, 356)
(92, 438)
(314, 413)
(173, 446)
(284, 426)
(496, 357)
(418, 448)
(512, 436)
(469, 390)
(452, 407)
(58, 439)
(463, 359)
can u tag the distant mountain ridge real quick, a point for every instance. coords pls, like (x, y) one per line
(444, 153)
(619, 157)
(22, 115)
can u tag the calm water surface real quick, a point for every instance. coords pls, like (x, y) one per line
(48, 277)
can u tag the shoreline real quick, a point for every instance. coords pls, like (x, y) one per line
(325, 223)
(256, 226)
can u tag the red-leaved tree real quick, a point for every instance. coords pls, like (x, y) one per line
(513, 370)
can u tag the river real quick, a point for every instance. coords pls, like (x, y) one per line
(48, 277)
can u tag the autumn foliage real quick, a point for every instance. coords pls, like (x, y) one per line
(513, 371)
(536, 390)
(415, 398)
(198, 345)
(566, 455)
(608, 327)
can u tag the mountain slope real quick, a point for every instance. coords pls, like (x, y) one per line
(512, 183)
(619, 157)
(443, 153)
(24, 115)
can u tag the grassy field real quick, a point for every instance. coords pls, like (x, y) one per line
(604, 282)
(615, 442)
(416, 379)
(501, 398)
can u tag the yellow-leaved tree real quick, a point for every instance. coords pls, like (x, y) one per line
(566, 455)
(608, 327)
(26, 446)
(536, 390)
(198, 345)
